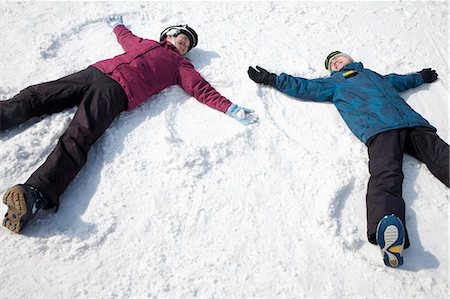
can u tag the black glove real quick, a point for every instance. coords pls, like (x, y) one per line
(428, 75)
(261, 76)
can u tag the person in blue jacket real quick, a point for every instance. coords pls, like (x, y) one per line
(371, 106)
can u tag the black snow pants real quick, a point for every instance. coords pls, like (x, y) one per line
(384, 191)
(100, 100)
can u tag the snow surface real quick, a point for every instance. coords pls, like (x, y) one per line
(178, 200)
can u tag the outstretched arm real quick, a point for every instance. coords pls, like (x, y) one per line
(195, 85)
(318, 90)
(404, 82)
(124, 36)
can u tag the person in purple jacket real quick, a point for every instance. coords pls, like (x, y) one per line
(101, 92)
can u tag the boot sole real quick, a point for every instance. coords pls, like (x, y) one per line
(14, 198)
(393, 239)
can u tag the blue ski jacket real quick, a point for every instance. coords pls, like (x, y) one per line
(368, 102)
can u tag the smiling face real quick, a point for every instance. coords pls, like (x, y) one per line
(338, 62)
(181, 42)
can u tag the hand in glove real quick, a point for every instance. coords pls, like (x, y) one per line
(261, 76)
(113, 21)
(428, 75)
(243, 115)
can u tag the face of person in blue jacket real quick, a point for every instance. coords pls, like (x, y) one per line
(338, 62)
(181, 42)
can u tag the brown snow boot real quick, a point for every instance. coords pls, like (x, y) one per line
(23, 201)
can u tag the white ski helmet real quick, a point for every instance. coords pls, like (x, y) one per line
(177, 29)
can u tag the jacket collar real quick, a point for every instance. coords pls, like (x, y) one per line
(350, 66)
(169, 46)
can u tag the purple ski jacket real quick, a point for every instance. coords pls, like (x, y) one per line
(147, 67)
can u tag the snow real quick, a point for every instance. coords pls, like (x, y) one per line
(179, 201)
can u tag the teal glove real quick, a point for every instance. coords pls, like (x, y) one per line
(243, 115)
(113, 21)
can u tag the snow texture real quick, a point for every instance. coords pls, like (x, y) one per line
(178, 200)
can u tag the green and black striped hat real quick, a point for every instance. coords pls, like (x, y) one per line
(332, 55)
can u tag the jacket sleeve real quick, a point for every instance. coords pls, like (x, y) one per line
(195, 85)
(126, 38)
(404, 82)
(319, 90)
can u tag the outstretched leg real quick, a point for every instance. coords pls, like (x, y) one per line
(46, 98)
(426, 146)
(384, 191)
(101, 104)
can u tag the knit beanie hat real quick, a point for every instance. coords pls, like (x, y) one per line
(333, 55)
